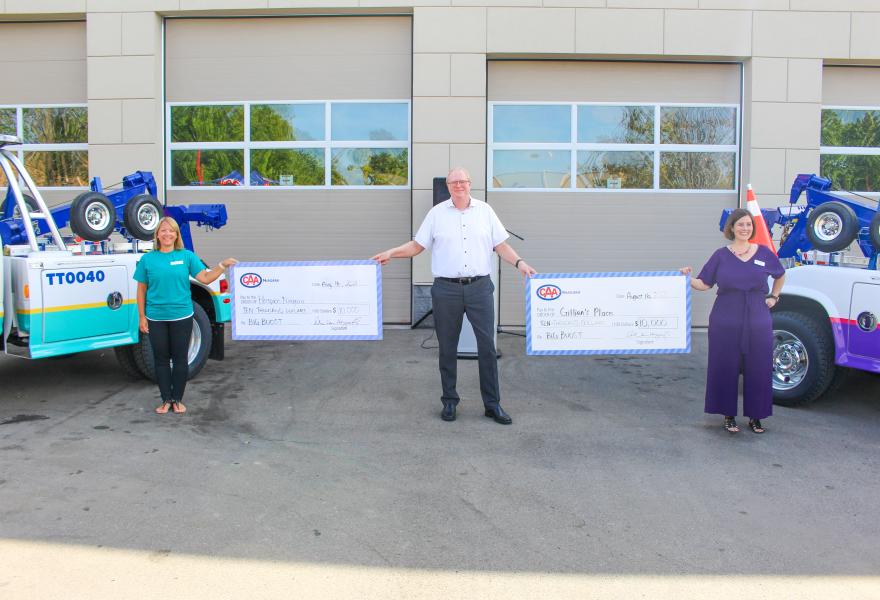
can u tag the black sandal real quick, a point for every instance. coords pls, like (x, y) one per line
(730, 425)
(755, 425)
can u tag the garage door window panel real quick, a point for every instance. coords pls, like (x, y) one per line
(54, 145)
(532, 169)
(290, 144)
(199, 167)
(850, 148)
(615, 170)
(600, 124)
(630, 146)
(698, 125)
(287, 122)
(523, 124)
(697, 170)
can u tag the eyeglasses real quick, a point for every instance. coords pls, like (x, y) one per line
(459, 182)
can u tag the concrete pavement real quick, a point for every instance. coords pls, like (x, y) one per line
(323, 470)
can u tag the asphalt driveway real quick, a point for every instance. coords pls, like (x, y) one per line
(324, 468)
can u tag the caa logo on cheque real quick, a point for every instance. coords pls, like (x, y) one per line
(548, 292)
(250, 280)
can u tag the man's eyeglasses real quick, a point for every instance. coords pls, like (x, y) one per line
(459, 182)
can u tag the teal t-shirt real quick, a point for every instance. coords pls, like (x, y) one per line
(167, 277)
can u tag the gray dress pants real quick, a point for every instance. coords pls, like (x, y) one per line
(450, 302)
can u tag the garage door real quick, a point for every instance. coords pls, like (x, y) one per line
(43, 101)
(611, 166)
(850, 147)
(301, 126)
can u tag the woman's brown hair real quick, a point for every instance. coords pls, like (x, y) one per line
(735, 216)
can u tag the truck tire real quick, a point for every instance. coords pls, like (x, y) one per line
(832, 226)
(141, 216)
(125, 358)
(803, 358)
(875, 232)
(28, 200)
(92, 216)
(199, 347)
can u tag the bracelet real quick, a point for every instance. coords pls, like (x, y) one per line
(516, 264)
(774, 296)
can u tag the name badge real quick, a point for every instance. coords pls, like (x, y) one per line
(760, 263)
(180, 262)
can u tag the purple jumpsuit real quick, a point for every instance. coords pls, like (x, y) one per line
(740, 332)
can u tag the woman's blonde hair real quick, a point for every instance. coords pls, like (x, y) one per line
(178, 242)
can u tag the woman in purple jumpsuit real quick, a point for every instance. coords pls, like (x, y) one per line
(740, 327)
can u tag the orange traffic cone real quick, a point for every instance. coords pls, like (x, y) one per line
(762, 232)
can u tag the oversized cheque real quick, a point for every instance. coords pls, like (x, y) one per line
(316, 300)
(608, 313)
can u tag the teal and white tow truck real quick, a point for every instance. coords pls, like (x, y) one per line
(66, 294)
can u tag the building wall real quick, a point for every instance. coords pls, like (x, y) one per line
(785, 46)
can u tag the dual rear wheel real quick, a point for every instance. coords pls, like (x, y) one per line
(93, 216)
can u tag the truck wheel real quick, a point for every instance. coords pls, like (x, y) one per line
(141, 216)
(92, 216)
(832, 226)
(199, 347)
(125, 358)
(803, 358)
(875, 232)
(28, 200)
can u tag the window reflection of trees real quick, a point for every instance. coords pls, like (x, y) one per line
(697, 125)
(856, 129)
(277, 123)
(7, 121)
(631, 170)
(206, 167)
(369, 166)
(697, 170)
(635, 124)
(217, 123)
(63, 168)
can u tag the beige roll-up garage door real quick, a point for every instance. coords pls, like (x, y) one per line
(595, 223)
(300, 60)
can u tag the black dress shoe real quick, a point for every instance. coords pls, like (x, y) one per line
(497, 413)
(448, 413)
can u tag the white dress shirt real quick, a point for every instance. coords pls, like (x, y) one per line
(461, 241)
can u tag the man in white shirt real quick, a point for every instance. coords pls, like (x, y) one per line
(462, 233)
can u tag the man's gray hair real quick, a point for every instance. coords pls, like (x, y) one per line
(462, 169)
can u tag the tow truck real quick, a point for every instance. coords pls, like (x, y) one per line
(66, 294)
(826, 321)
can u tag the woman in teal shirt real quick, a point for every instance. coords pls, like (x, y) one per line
(165, 307)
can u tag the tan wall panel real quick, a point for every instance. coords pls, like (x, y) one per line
(268, 225)
(46, 61)
(288, 58)
(579, 81)
(851, 86)
(571, 232)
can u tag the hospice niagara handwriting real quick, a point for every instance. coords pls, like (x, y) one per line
(309, 300)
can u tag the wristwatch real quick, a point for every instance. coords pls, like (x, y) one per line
(774, 296)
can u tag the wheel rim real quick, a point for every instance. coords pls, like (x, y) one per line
(790, 360)
(828, 226)
(97, 216)
(195, 343)
(148, 217)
